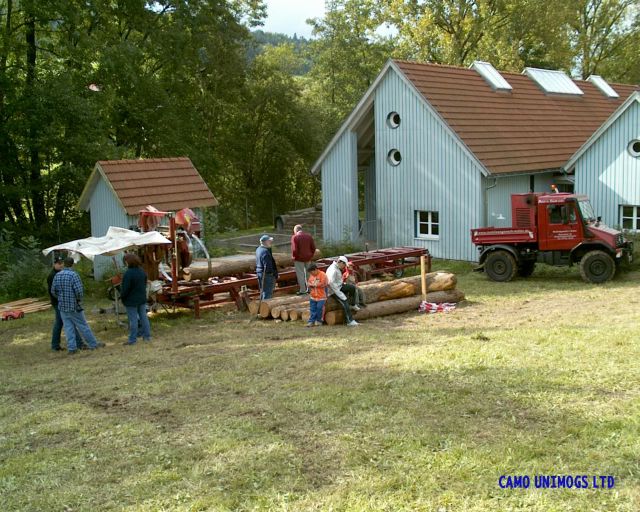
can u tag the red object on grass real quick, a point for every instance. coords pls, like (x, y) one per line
(12, 314)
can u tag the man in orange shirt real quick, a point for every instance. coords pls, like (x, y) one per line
(317, 284)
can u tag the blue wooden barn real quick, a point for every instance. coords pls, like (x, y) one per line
(432, 151)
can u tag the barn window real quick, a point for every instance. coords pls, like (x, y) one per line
(634, 148)
(394, 157)
(630, 217)
(427, 225)
(393, 120)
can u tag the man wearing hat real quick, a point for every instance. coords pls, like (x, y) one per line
(57, 323)
(338, 289)
(266, 268)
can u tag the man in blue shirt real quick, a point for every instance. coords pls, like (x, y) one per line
(67, 288)
(266, 268)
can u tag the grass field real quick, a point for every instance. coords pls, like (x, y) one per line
(404, 413)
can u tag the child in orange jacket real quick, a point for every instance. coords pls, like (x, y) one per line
(317, 284)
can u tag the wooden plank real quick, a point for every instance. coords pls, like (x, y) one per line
(17, 303)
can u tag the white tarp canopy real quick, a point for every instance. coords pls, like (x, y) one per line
(115, 241)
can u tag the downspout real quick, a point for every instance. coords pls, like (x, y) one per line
(485, 213)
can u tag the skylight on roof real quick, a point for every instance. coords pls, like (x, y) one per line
(554, 82)
(604, 87)
(491, 75)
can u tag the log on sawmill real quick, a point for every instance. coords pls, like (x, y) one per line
(231, 265)
(392, 307)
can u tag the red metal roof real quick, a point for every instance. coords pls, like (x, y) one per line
(519, 131)
(166, 183)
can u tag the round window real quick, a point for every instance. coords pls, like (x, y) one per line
(393, 119)
(634, 148)
(394, 157)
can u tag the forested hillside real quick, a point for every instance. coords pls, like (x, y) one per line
(83, 80)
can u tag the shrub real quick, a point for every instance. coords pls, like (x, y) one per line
(23, 271)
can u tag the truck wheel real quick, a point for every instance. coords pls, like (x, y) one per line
(500, 266)
(597, 267)
(526, 268)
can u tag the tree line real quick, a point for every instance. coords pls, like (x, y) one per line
(86, 80)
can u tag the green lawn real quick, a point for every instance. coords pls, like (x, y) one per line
(404, 413)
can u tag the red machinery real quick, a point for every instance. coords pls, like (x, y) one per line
(200, 295)
(184, 230)
(557, 229)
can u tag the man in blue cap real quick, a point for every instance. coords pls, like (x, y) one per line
(266, 268)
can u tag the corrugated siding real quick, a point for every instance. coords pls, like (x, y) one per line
(499, 197)
(370, 215)
(340, 190)
(607, 173)
(543, 182)
(435, 174)
(105, 211)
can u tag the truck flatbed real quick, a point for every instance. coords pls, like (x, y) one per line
(491, 236)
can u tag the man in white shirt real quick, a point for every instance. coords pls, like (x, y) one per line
(334, 277)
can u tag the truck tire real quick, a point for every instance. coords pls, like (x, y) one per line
(597, 267)
(500, 266)
(526, 268)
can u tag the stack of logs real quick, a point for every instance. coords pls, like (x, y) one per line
(382, 298)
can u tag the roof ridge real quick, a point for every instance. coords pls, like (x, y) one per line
(144, 160)
(501, 71)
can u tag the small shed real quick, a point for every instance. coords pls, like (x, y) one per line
(118, 189)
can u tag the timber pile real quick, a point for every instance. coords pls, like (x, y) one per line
(26, 305)
(382, 298)
(309, 218)
(231, 265)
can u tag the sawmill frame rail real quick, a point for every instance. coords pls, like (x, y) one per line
(199, 295)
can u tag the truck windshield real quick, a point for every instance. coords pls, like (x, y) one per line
(587, 211)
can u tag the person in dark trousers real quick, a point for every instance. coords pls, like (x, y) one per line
(339, 290)
(133, 292)
(266, 268)
(303, 249)
(57, 323)
(67, 288)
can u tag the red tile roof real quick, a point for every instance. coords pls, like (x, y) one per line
(519, 131)
(166, 183)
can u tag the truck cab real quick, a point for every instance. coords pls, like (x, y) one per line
(557, 229)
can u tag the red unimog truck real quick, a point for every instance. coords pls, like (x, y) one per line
(557, 229)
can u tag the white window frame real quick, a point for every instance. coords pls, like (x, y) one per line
(632, 151)
(417, 223)
(634, 218)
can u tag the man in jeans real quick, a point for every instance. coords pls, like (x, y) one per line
(303, 249)
(266, 269)
(57, 324)
(67, 288)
